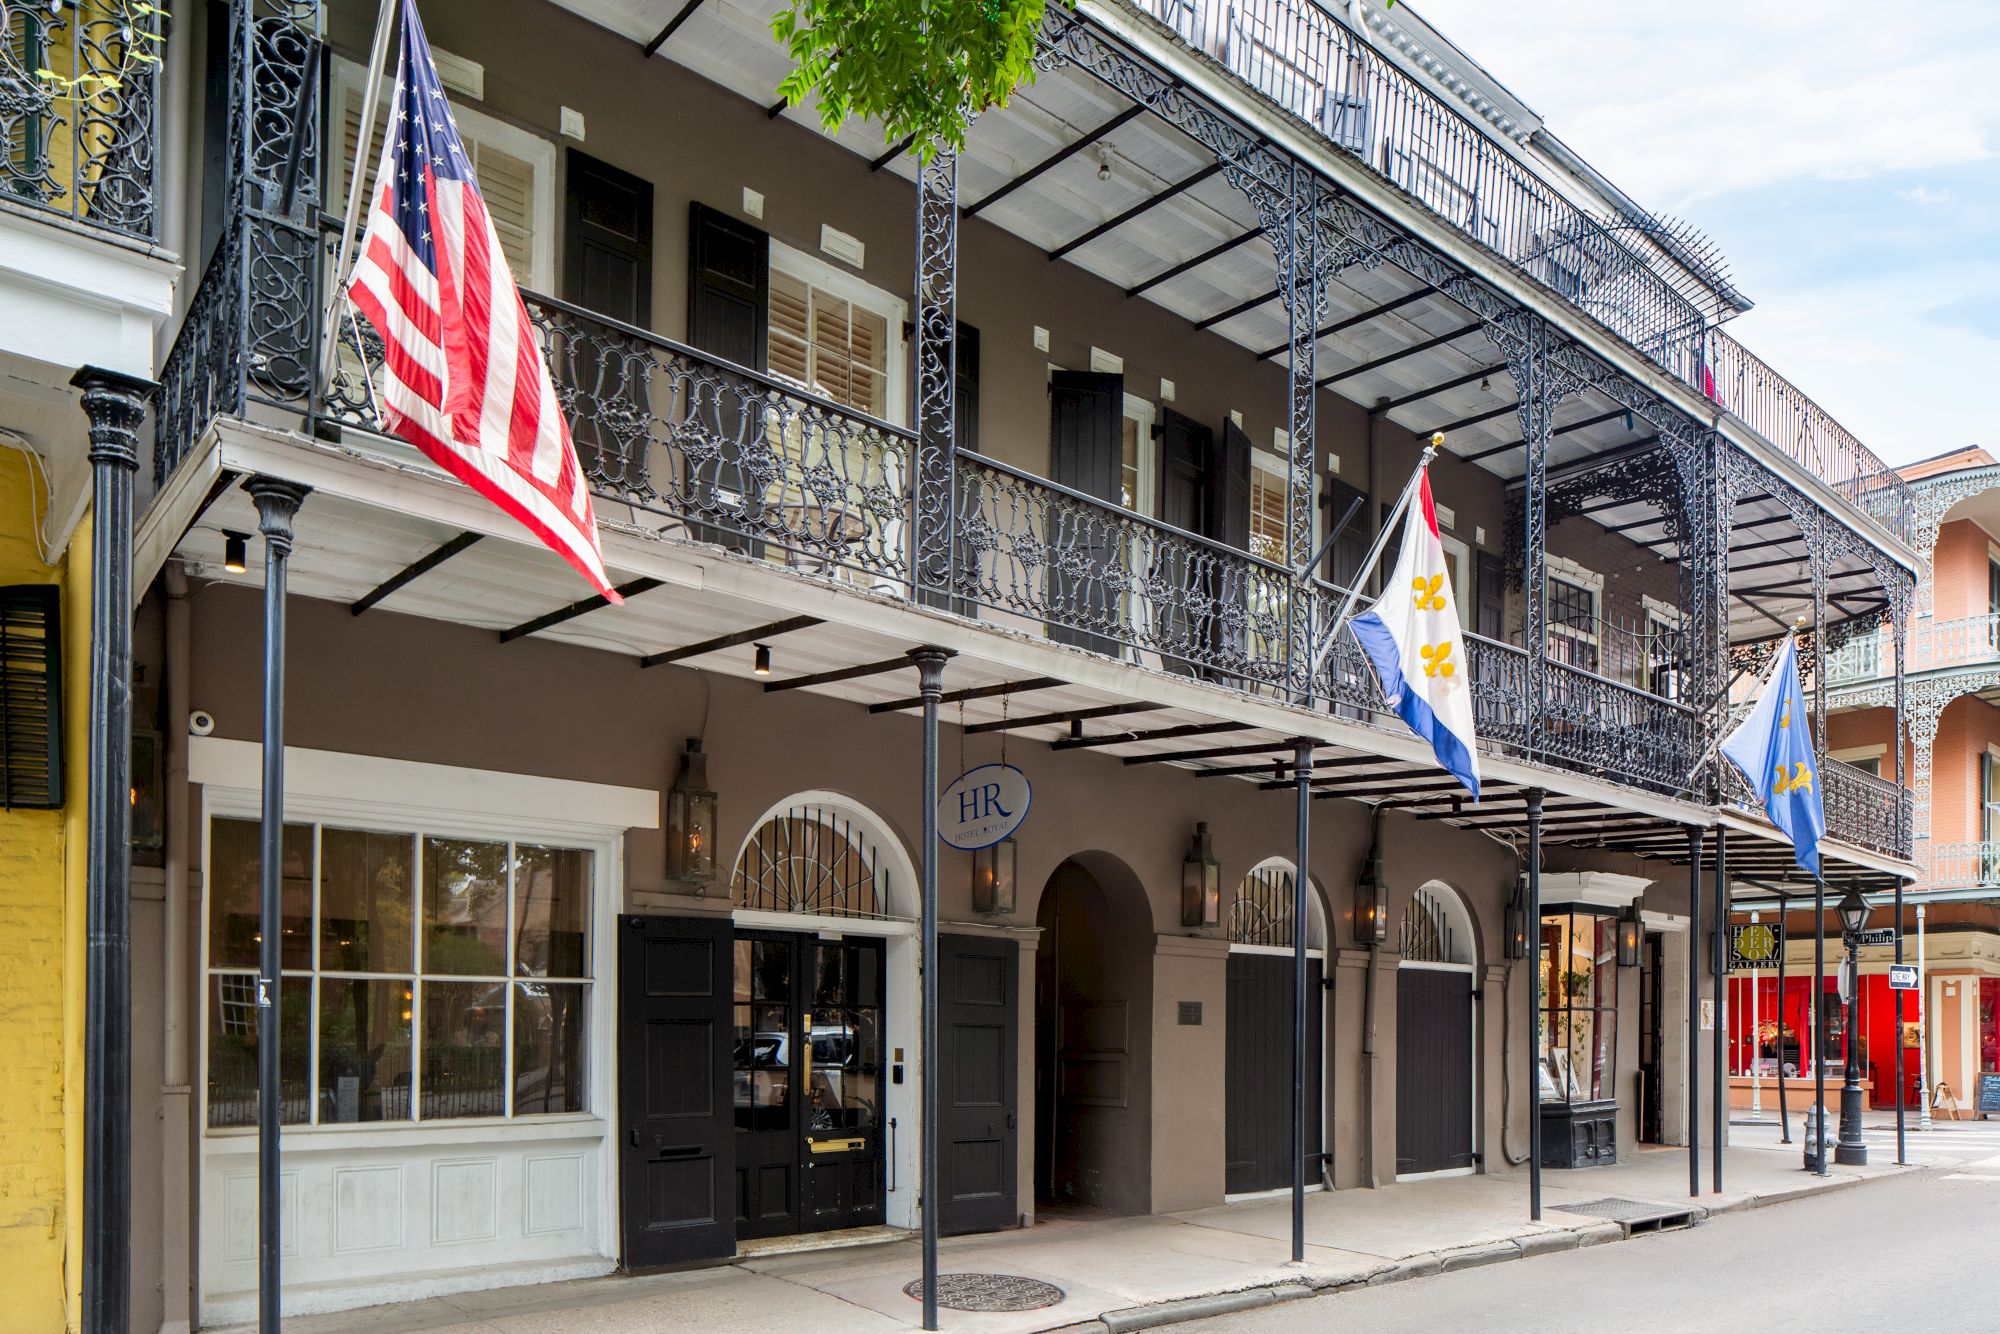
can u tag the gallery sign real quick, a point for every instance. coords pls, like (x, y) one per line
(983, 806)
(1754, 945)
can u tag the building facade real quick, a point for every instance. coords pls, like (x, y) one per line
(601, 925)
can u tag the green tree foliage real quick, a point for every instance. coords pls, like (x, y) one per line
(922, 68)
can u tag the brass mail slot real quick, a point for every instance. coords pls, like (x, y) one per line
(837, 1145)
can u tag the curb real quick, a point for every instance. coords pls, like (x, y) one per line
(1423, 1265)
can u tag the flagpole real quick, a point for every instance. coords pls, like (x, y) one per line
(1375, 551)
(371, 97)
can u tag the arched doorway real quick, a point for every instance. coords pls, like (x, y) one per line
(1436, 1063)
(1257, 1125)
(1093, 1002)
(824, 995)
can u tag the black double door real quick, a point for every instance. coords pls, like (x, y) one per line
(1433, 1070)
(1257, 1102)
(808, 1082)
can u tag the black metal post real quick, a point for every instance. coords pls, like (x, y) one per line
(1852, 1150)
(1902, 1129)
(934, 543)
(1302, 770)
(1534, 929)
(1694, 1010)
(1816, 1122)
(1784, 1110)
(1718, 974)
(277, 502)
(930, 684)
(115, 405)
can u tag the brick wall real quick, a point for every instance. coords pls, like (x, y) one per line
(1968, 727)
(1958, 579)
(32, 1067)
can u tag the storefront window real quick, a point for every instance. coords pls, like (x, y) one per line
(1579, 1037)
(1989, 1025)
(409, 964)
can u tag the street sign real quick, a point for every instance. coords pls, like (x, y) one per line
(1755, 945)
(1902, 977)
(1880, 935)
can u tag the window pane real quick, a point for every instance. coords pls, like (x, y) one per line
(365, 901)
(465, 907)
(551, 1041)
(551, 912)
(232, 1049)
(233, 869)
(763, 1067)
(364, 1049)
(464, 1051)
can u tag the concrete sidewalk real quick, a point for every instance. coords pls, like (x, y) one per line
(1121, 1273)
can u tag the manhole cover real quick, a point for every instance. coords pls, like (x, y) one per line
(989, 1292)
(1617, 1210)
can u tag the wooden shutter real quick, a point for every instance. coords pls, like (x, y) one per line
(1087, 432)
(31, 768)
(1350, 547)
(965, 416)
(1229, 493)
(1185, 447)
(608, 241)
(1492, 579)
(729, 289)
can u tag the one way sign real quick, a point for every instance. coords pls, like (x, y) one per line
(1902, 977)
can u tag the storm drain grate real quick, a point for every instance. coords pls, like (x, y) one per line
(1632, 1215)
(989, 1292)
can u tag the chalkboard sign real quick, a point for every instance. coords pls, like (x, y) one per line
(1989, 1095)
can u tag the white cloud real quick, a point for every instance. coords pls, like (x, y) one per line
(1929, 198)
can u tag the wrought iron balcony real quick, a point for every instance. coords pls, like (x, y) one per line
(1862, 810)
(1309, 63)
(1962, 865)
(79, 100)
(1968, 641)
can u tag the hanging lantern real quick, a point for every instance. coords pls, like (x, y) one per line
(691, 819)
(1201, 883)
(1371, 906)
(993, 878)
(1515, 946)
(1630, 928)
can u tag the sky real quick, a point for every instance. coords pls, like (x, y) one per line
(1845, 156)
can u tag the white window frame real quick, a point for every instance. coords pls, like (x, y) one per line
(1144, 413)
(407, 797)
(858, 291)
(1459, 557)
(1561, 567)
(474, 125)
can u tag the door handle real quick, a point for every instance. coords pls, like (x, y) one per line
(1010, 1120)
(806, 1061)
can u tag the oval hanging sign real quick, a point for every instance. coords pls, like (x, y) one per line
(983, 806)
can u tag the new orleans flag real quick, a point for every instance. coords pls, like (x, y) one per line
(1774, 749)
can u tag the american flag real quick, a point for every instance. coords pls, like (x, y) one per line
(466, 382)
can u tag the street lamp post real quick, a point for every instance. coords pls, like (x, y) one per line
(1850, 1151)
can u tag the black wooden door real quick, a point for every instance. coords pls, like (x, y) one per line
(676, 1165)
(809, 1079)
(1086, 453)
(1229, 524)
(977, 1083)
(1652, 1045)
(608, 268)
(1186, 455)
(1257, 1103)
(1433, 1069)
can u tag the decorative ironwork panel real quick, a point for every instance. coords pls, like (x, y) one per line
(936, 340)
(1425, 935)
(1864, 810)
(812, 859)
(1261, 912)
(79, 110)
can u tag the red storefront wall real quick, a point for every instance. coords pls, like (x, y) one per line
(1876, 1020)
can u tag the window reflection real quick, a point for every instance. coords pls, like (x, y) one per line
(233, 894)
(550, 1047)
(465, 1029)
(551, 912)
(465, 907)
(364, 901)
(1579, 1037)
(233, 1017)
(364, 1049)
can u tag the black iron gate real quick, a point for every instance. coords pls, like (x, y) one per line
(1433, 1070)
(1257, 1105)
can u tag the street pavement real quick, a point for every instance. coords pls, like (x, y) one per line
(1907, 1253)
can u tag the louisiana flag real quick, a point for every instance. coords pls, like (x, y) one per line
(1774, 749)
(1412, 639)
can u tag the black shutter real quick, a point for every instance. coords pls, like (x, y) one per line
(729, 315)
(1343, 562)
(1492, 619)
(607, 269)
(31, 771)
(1229, 493)
(1086, 453)
(965, 385)
(1186, 450)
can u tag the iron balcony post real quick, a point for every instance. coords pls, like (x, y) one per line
(1302, 771)
(936, 484)
(278, 502)
(1816, 1120)
(1303, 300)
(1784, 1110)
(930, 684)
(115, 404)
(1902, 1128)
(1694, 1011)
(1718, 975)
(1533, 926)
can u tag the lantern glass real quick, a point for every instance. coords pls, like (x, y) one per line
(691, 820)
(1517, 924)
(1853, 911)
(993, 878)
(1201, 883)
(1629, 931)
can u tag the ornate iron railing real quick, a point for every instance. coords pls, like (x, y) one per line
(1961, 865)
(79, 110)
(1866, 811)
(1781, 412)
(1963, 642)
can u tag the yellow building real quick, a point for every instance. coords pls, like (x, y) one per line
(41, 924)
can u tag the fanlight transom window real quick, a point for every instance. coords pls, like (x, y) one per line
(1435, 929)
(1261, 911)
(813, 858)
